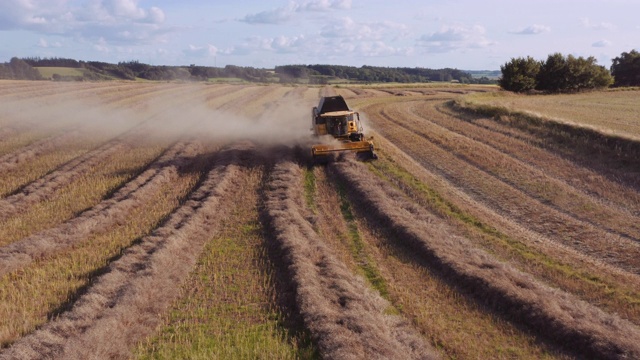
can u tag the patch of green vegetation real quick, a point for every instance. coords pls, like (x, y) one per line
(358, 247)
(227, 310)
(226, 80)
(48, 72)
(252, 342)
(310, 189)
(387, 169)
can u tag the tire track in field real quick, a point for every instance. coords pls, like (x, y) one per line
(560, 317)
(11, 160)
(586, 180)
(509, 201)
(249, 96)
(46, 89)
(46, 186)
(346, 319)
(504, 161)
(123, 305)
(9, 87)
(542, 136)
(111, 211)
(51, 91)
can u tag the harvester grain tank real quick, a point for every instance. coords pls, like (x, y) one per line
(340, 128)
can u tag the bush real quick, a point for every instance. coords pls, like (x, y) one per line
(571, 74)
(519, 75)
(558, 74)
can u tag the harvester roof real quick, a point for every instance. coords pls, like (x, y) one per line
(332, 104)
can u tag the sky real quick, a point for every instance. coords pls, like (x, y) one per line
(462, 34)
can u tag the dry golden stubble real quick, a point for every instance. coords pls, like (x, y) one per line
(457, 327)
(556, 315)
(122, 305)
(168, 168)
(610, 111)
(529, 149)
(45, 289)
(601, 284)
(345, 318)
(77, 193)
(532, 179)
(228, 307)
(507, 199)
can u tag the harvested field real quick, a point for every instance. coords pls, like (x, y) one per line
(166, 220)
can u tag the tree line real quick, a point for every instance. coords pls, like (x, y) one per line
(314, 74)
(96, 70)
(566, 74)
(558, 73)
(324, 73)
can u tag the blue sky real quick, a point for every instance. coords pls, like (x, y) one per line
(464, 34)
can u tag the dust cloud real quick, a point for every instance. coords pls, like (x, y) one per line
(284, 121)
(282, 124)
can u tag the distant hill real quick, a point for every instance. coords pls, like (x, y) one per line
(489, 74)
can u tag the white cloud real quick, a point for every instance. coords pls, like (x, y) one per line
(284, 44)
(200, 51)
(377, 48)
(110, 20)
(532, 30)
(156, 15)
(325, 5)
(586, 22)
(285, 13)
(120, 11)
(124, 9)
(341, 37)
(455, 37)
(45, 44)
(101, 46)
(275, 16)
(30, 14)
(601, 43)
(347, 28)
(279, 44)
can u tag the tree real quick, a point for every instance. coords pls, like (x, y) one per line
(626, 69)
(571, 74)
(587, 74)
(554, 74)
(23, 71)
(519, 75)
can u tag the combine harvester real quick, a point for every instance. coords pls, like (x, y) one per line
(340, 130)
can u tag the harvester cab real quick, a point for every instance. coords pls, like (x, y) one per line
(332, 119)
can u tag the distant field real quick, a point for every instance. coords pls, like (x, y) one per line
(226, 80)
(491, 74)
(610, 111)
(177, 220)
(48, 72)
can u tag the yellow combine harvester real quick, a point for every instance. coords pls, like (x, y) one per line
(340, 128)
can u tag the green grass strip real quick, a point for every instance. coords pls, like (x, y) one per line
(227, 310)
(358, 247)
(310, 189)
